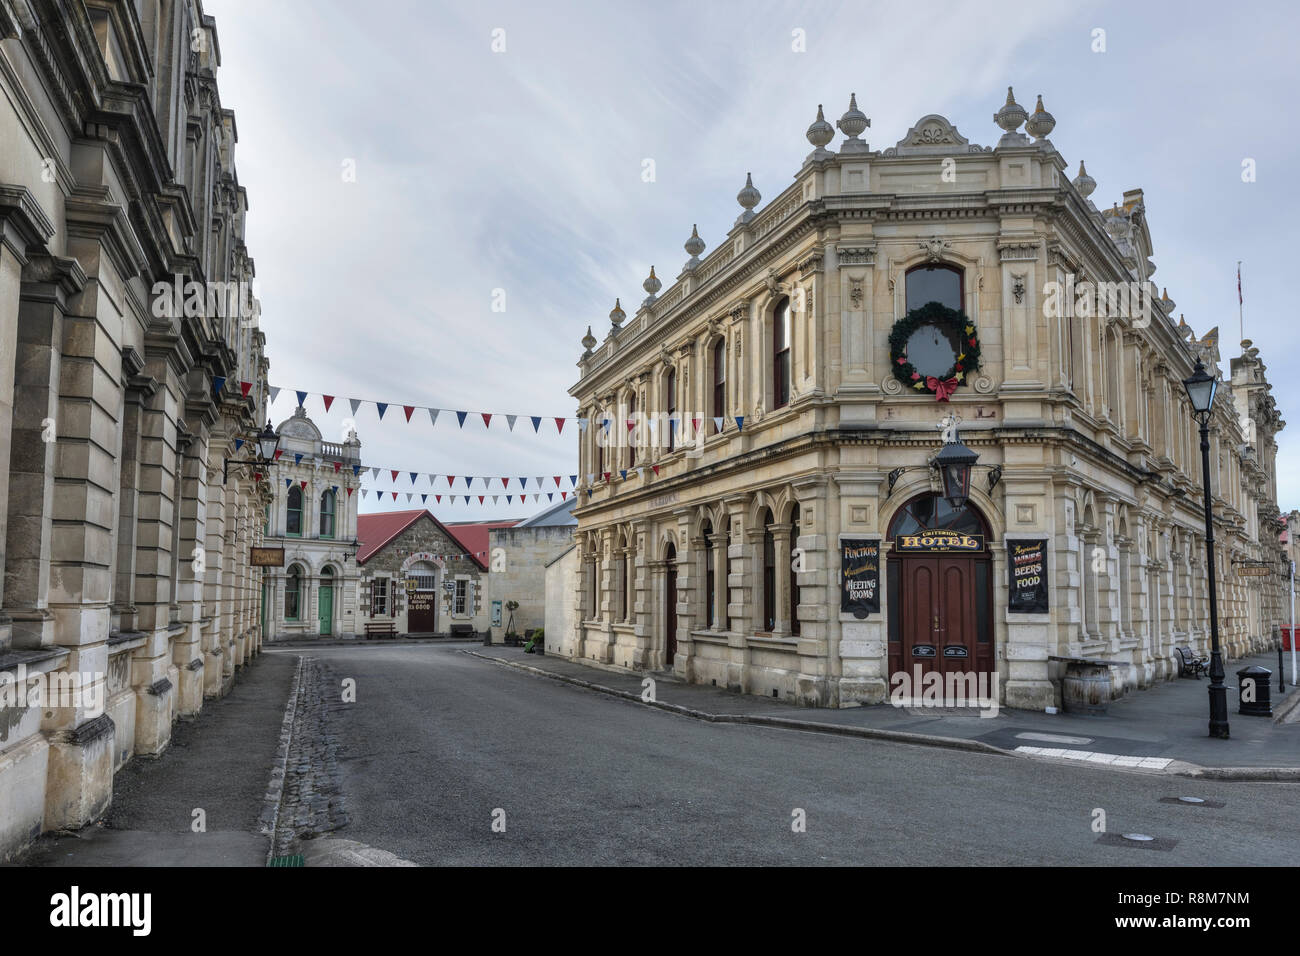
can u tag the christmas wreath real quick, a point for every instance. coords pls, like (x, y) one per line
(957, 327)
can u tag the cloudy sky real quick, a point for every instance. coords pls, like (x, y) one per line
(521, 170)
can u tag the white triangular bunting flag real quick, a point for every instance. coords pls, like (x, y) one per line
(355, 403)
(433, 416)
(374, 472)
(494, 499)
(510, 420)
(408, 497)
(275, 392)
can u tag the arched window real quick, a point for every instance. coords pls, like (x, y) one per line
(622, 577)
(769, 573)
(293, 594)
(794, 575)
(710, 584)
(934, 282)
(670, 402)
(327, 515)
(781, 354)
(629, 582)
(720, 379)
(601, 436)
(293, 521)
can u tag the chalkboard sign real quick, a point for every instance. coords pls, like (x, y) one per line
(1027, 573)
(860, 576)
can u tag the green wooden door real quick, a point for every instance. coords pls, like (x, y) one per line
(326, 608)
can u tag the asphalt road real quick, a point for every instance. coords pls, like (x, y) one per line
(438, 742)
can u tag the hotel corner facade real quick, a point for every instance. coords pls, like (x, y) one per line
(131, 368)
(759, 511)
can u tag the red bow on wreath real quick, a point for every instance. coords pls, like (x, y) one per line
(941, 388)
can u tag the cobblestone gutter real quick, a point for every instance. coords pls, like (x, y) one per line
(305, 797)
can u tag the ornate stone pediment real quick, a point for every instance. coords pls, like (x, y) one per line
(934, 135)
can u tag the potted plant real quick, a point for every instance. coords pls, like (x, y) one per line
(512, 638)
(538, 642)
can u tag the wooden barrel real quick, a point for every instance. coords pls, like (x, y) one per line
(1086, 689)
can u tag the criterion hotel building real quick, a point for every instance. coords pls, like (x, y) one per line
(759, 510)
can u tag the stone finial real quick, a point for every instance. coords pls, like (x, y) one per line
(820, 132)
(1009, 118)
(651, 285)
(1011, 115)
(589, 341)
(695, 245)
(748, 196)
(854, 121)
(617, 315)
(1041, 123)
(1084, 183)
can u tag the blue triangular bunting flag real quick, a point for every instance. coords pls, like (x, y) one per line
(218, 383)
(288, 482)
(383, 407)
(297, 458)
(536, 420)
(302, 397)
(573, 479)
(740, 422)
(460, 418)
(239, 443)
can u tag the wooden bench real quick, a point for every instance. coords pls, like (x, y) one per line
(1189, 665)
(380, 629)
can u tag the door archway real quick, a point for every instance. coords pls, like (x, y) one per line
(940, 590)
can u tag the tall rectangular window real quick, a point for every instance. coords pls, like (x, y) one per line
(720, 379)
(379, 597)
(462, 595)
(670, 402)
(781, 354)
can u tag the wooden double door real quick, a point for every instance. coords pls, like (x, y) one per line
(942, 601)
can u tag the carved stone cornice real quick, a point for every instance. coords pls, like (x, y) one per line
(855, 255)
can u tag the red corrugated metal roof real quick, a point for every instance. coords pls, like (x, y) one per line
(474, 537)
(374, 531)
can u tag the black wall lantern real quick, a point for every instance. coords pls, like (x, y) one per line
(264, 444)
(955, 462)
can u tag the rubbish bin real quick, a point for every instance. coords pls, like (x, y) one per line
(1253, 691)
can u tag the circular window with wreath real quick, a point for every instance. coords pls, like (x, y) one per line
(933, 348)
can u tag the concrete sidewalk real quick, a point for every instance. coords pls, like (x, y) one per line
(218, 763)
(1162, 729)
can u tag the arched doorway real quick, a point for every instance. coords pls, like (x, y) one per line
(940, 591)
(670, 605)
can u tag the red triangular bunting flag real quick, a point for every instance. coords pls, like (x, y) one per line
(656, 468)
(394, 496)
(350, 492)
(337, 465)
(245, 388)
(487, 419)
(439, 498)
(278, 453)
(564, 496)
(394, 474)
(303, 485)
(559, 425)
(557, 480)
(329, 400)
(480, 498)
(408, 409)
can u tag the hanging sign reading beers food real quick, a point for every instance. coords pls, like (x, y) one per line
(1027, 573)
(860, 576)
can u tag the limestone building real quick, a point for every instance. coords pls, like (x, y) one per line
(417, 576)
(132, 384)
(313, 516)
(518, 557)
(759, 509)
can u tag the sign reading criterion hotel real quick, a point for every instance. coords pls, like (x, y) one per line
(1027, 570)
(859, 577)
(939, 540)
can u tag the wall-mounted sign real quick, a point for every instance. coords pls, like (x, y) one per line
(1027, 576)
(860, 576)
(1254, 571)
(923, 650)
(266, 557)
(939, 540)
(955, 650)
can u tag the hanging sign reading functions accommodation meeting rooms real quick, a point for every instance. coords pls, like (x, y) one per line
(939, 540)
(1027, 570)
(860, 576)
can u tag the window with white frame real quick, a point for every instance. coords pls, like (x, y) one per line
(462, 598)
(379, 597)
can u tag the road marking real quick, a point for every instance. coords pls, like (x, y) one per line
(1114, 760)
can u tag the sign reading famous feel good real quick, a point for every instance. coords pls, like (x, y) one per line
(1027, 570)
(860, 576)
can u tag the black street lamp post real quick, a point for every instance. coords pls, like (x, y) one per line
(1200, 390)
